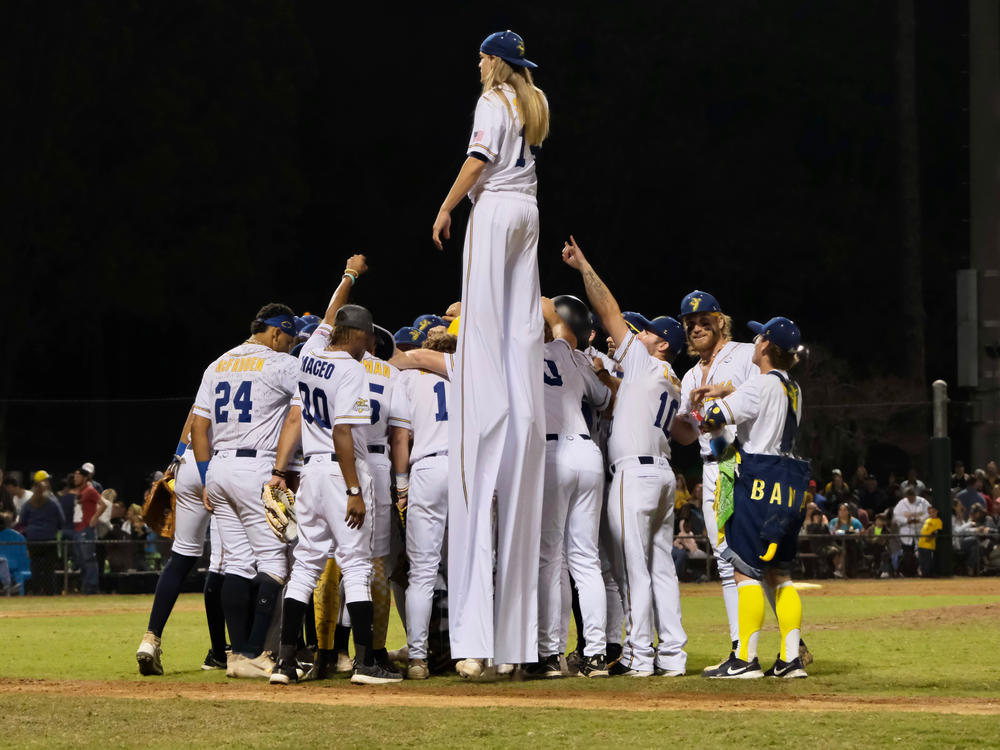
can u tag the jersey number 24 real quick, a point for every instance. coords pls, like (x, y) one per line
(241, 401)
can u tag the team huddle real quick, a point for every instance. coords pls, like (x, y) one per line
(489, 469)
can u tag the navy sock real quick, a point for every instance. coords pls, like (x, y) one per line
(341, 637)
(167, 588)
(214, 614)
(311, 639)
(291, 621)
(236, 599)
(362, 614)
(577, 617)
(265, 600)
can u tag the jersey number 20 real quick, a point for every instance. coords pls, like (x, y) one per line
(241, 401)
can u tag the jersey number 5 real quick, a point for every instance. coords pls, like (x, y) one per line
(241, 401)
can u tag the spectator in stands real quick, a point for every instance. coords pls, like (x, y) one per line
(139, 533)
(909, 516)
(958, 476)
(40, 521)
(837, 491)
(876, 544)
(970, 495)
(815, 497)
(67, 501)
(912, 480)
(91, 506)
(858, 480)
(12, 481)
(846, 530)
(963, 539)
(985, 529)
(687, 544)
(682, 495)
(818, 531)
(871, 497)
(927, 544)
(7, 510)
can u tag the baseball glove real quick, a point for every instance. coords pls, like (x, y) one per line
(159, 510)
(279, 509)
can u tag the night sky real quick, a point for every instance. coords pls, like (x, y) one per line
(172, 166)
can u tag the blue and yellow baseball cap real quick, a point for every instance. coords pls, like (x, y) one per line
(508, 46)
(635, 321)
(698, 301)
(669, 330)
(426, 322)
(409, 337)
(284, 323)
(781, 332)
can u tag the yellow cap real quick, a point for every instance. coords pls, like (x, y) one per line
(41, 475)
(453, 326)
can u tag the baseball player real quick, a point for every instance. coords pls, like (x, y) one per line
(721, 361)
(191, 522)
(641, 498)
(497, 436)
(574, 489)
(335, 505)
(407, 338)
(768, 497)
(241, 405)
(420, 404)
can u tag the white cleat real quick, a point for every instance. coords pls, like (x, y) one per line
(240, 666)
(470, 669)
(148, 655)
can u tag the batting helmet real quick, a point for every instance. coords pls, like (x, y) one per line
(576, 315)
(698, 301)
(384, 345)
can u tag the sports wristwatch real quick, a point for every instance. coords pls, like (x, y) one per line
(353, 491)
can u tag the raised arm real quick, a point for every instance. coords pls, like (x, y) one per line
(559, 328)
(356, 266)
(468, 175)
(604, 304)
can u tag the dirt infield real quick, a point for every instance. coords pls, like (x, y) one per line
(487, 696)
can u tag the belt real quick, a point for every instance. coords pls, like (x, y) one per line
(431, 455)
(376, 449)
(555, 436)
(307, 459)
(639, 459)
(241, 453)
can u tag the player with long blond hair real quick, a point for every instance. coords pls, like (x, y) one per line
(496, 436)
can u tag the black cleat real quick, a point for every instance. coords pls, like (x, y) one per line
(594, 666)
(735, 669)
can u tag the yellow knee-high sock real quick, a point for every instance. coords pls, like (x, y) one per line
(788, 608)
(751, 603)
(382, 603)
(326, 604)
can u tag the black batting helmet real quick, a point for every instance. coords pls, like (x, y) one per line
(577, 316)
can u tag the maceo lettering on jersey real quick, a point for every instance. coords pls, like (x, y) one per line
(317, 367)
(777, 495)
(240, 364)
(377, 367)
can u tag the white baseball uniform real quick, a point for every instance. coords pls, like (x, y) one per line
(571, 505)
(641, 509)
(245, 395)
(732, 365)
(420, 402)
(332, 389)
(497, 437)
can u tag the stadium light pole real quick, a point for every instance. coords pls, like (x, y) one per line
(941, 478)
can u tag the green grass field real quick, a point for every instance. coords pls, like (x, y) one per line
(898, 663)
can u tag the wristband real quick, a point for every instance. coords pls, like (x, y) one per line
(279, 473)
(202, 469)
(181, 447)
(402, 482)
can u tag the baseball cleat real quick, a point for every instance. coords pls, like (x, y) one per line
(805, 654)
(148, 655)
(618, 669)
(593, 666)
(401, 655)
(713, 667)
(344, 662)
(212, 662)
(664, 672)
(735, 669)
(470, 669)
(505, 669)
(788, 670)
(285, 671)
(547, 668)
(574, 662)
(374, 675)
(240, 666)
(417, 670)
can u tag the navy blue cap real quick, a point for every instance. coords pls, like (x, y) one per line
(698, 301)
(284, 323)
(310, 318)
(669, 330)
(297, 349)
(308, 329)
(300, 323)
(508, 46)
(409, 337)
(781, 332)
(635, 321)
(426, 322)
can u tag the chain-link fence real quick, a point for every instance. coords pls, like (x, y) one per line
(85, 565)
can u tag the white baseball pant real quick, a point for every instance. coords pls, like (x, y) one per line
(571, 509)
(641, 517)
(426, 524)
(730, 596)
(496, 436)
(320, 510)
(380, 469)
(234, 487)
(191, 516)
